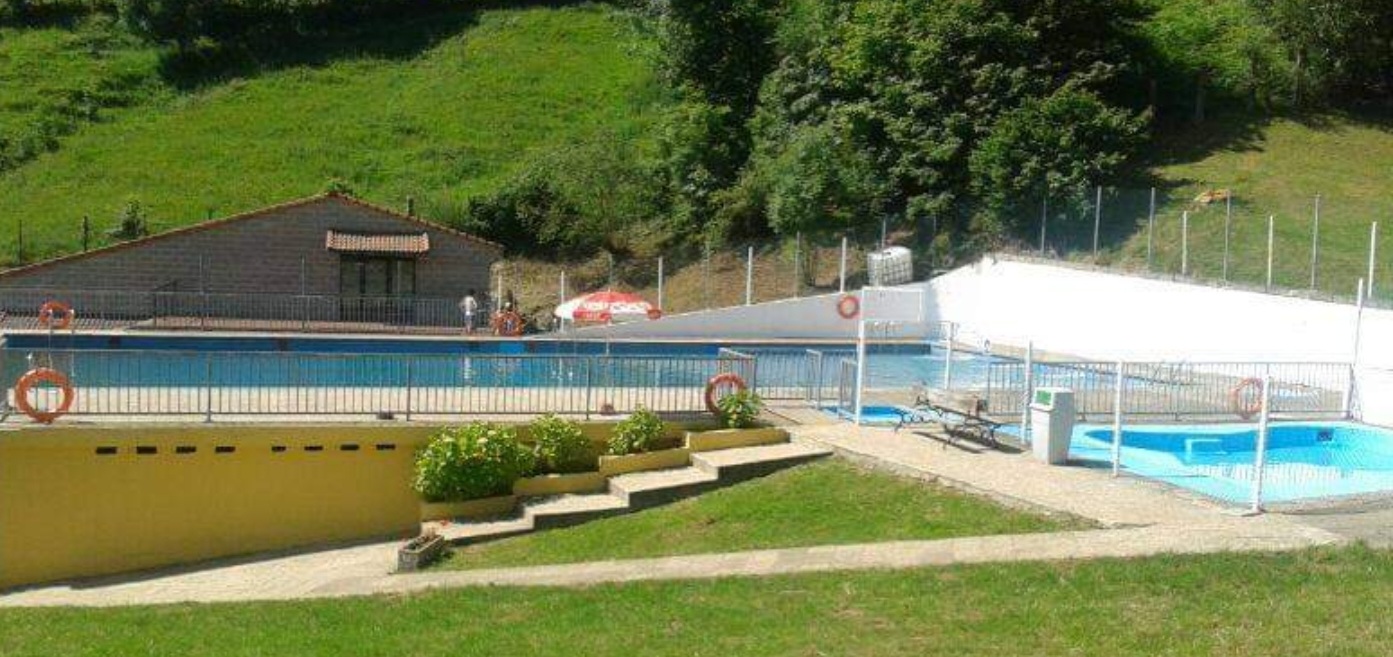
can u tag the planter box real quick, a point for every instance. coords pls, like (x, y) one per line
(419, 552)
(560, 484)
(487, 507)
(611, 466)
(707, 441)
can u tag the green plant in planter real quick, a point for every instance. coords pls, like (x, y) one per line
(740, 409)
(560, 445)
(471, 462)
(636, 433)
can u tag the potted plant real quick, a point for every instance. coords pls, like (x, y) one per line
(469, 471)
(565, 460)
(629, 448)
(420, 552)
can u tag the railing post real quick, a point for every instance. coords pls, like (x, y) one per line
(1373, 251)
(410, 379)
(589, 383)
(660, 284)
(841, 278)
(1097, 222)
(1315, 245)
(208, 388)
(1117, 420)
(1150, 229)
(750, 276)
(1228, 232)
(1044, 220)
(1029, 381)
(1260, 454)
(1271, 233)
(1348, 401)
(798, 265)
(948, 356)
(1185, 244)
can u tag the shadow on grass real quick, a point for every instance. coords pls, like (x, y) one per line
(396, 35)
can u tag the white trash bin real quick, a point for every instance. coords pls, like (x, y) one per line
(1052, 424)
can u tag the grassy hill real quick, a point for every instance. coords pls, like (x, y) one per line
(1275, 167)
(436, 108)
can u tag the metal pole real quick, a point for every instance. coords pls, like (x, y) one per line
(706, 273)
(948, 357)
(1315, 244)
(304, 295)
(202, 293)
(884, 225)
(1150, 229)
(1348, 401)
(1185, 243)
(798, 265)
(1260, 458)
(409, 377)
(750, 276)
(860, 367)
(841, 287)
(1097, 220)
(1271, 228)
(1117, 420)
(1373, 251)
(660, 283)
(1228, 232)
(1029, 391)
(1044, 220)
(208, 387)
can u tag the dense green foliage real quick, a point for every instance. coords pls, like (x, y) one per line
(470, 462)
(828, 503)
(560, 445)
(637, 433)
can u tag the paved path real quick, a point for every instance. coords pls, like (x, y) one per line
(1141, 519)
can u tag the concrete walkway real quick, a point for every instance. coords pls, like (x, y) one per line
(1141, 519)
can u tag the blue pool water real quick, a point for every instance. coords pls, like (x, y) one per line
(257, 361)
(1304, 460)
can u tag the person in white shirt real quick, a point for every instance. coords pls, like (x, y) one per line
(469, 306)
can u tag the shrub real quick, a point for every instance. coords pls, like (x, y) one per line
(739, 409)
(465, 463)
(560, 445)
(636, 433)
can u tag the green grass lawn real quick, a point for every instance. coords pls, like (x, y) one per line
(437, 108)
(1276, 168)
(1322, 602)
(831, 502)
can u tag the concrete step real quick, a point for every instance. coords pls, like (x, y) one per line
(641, 490)
(735, 465)
(469, 533)
(566, 510)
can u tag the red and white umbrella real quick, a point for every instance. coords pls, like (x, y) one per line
(606, 307)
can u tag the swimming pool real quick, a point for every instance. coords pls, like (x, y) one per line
(1304, 460)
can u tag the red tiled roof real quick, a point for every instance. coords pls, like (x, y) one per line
(409, 244)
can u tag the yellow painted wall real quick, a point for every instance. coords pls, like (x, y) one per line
(67, 511)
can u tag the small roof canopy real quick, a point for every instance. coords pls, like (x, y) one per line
(399, 244)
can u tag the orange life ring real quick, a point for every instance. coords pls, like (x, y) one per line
(43, 375)
(508, 323)
(726, 379)
(849, 307)
(52, 309)
(1246, 408)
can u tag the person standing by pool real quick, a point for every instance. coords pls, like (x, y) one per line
(469, 306)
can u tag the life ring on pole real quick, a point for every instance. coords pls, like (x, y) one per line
(724, 381)
(1246, 398)
(33, 378)
(849, 307)
(55, 315)
(508, 323)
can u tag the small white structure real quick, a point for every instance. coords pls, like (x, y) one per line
(890, 266)
(1052, 424)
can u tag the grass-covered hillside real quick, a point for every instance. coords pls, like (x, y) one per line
(438, 108)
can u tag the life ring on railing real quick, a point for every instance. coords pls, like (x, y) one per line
(508, 323)
(723, 381)
(55, 315)
(43, 375)
(1244, 403)
(849, 307)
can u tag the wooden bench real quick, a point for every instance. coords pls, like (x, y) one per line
(962, 416)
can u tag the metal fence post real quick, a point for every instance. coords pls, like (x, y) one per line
(1117, 420)
(660, 283)
(841, 277)
(1044, 220)
(1373, 251)
(948, 357)
(1315, 244)
(1185, 243)
(208, 388)
(589, 383)
(750, 276)
(798, 265)
(1271, 228)
(706, 273)
(1029, 387)
(1097, 221)
(1348, 400)
(410, 375)
(1260, 454)
(1228, 232)
(1150, 229)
